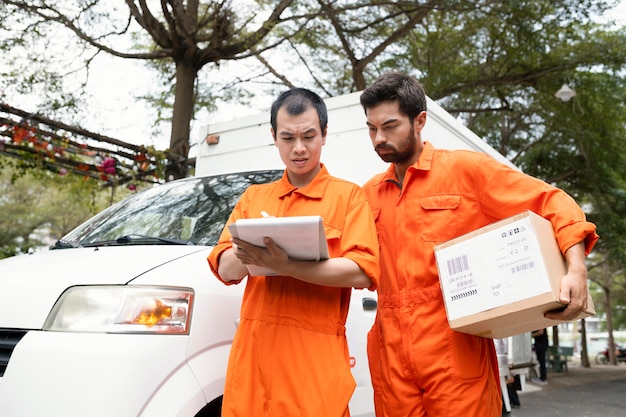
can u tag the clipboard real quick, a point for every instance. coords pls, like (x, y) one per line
(302, 237)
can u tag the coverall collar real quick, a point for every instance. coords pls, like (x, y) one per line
(315, 189)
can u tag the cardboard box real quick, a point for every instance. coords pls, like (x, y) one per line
(499, 280)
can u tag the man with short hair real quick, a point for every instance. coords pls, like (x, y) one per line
(290, 354)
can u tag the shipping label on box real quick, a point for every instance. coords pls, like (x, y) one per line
(493, 268)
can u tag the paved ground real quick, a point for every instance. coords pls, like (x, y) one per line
(598, 391)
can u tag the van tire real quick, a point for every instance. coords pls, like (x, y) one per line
(212, 409)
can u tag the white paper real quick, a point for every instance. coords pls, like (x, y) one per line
(302, 237)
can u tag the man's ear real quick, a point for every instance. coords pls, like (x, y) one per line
(324, 133)
(419, 122)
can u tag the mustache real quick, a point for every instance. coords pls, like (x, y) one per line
(383, 146)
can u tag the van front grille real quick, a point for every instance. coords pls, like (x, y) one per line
(9, 338)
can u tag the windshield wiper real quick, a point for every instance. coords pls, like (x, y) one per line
(65, 244)
(139, 239)
(124, 240)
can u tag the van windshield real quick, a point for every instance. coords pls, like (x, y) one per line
(187, 211)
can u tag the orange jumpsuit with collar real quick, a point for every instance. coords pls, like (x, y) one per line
(290, 354)
(419, 366)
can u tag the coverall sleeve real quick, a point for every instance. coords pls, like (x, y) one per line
(510, 191)
(359, 241)
(224, 241)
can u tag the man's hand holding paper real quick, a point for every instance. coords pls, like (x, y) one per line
(271, 257)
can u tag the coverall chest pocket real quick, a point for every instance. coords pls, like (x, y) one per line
(440, 217)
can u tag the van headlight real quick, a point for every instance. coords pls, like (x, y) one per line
(122, 309)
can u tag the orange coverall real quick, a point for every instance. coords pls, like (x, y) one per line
(290, 354)
(419, 366)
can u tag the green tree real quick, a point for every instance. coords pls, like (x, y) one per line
(612, 283)
(180, 36)
(457, 47)
(39, 206)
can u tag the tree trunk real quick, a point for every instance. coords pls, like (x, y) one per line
(584, 354)
(181, 120)
(555, 335)
(609, 312)
(609, 327)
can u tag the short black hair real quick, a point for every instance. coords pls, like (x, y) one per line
(297, 101)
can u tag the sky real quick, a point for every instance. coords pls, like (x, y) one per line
(115, 82)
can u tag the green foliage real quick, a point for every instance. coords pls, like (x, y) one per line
(39, 207)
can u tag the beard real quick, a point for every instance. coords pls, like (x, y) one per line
(400, 154)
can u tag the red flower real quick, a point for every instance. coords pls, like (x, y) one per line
(19, 134)
(108, 166)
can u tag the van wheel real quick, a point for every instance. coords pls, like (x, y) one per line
(212, 409)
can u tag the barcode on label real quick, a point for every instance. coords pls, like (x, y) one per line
(463, 295)
(523, 267)
(457, 265)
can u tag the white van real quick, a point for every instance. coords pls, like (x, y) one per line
(247, 144)
(122, 317)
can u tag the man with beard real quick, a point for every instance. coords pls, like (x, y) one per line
(419, 366)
